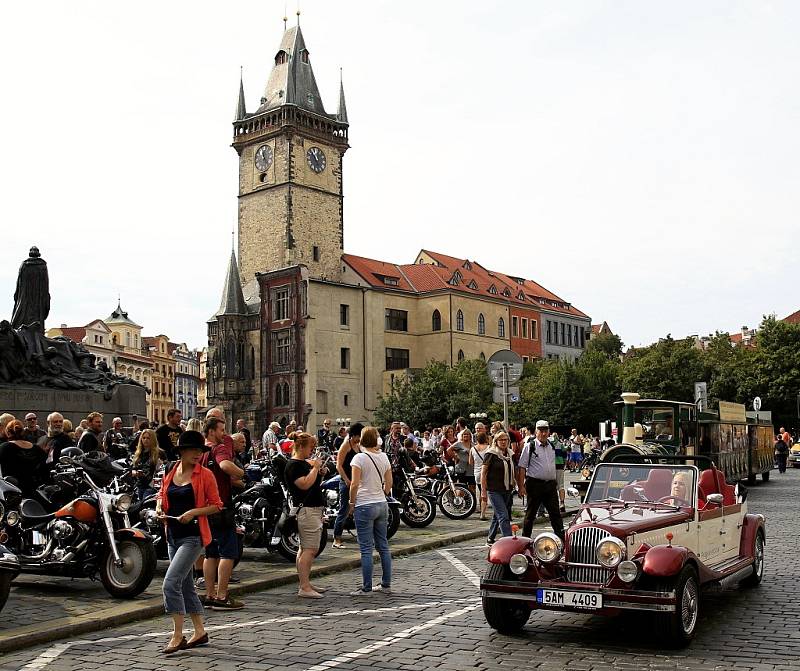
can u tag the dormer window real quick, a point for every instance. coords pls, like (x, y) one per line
(304, 56)
(521, 296)
(472, 285)
(310, 99)
(467, 265)
(391, 281)
(281, 57)
(493, 290)
(455, 280)
(506, 292)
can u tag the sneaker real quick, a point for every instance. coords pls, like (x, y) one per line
(381, 588)
(200, 582)
(207, 601)
(227, 604)
(361, 592)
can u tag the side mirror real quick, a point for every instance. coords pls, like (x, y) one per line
(573, 492)
(714, 498)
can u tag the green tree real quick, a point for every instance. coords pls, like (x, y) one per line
(668, 369)
(776, 370)
(608, 344)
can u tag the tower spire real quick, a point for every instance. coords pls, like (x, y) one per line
(341, 112)
(241, 109)
(232, 302)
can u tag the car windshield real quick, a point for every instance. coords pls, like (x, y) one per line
(672, 485)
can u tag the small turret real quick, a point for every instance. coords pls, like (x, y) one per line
(241, 108)
(341, 112)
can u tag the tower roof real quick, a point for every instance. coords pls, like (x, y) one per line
(241, 109)
(291, 81)
(232, 297)
(341, 112)
(119, 316)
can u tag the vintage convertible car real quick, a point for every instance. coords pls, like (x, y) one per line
(648, 537)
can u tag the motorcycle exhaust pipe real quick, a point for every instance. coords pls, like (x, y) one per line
(74, 551)
(47, 550)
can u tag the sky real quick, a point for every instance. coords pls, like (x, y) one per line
(638, 159)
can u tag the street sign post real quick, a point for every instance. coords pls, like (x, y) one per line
(701, 395)
(757, 403)
(505, 368)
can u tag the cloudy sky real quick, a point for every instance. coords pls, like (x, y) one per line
(639, 159)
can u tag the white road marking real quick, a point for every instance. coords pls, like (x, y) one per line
(465, 570)
(51, 654)
(406, 633)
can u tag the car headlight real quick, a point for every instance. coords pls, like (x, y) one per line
(610, 551)
(123, 502)
(627, 571)
(547, 547)
(12, 519)
(421, 482)
(518, 564)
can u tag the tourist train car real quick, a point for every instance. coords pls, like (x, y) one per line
(653, 531)
(738, 446)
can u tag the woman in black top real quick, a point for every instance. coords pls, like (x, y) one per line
(303, 477)
(144, 463)
(497, 484)
(20, 459)
(344, 456)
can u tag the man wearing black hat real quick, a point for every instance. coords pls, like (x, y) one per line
(536, 475)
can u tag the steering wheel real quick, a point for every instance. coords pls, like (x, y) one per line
(677, 499)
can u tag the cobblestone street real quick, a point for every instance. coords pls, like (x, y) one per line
(434, 620)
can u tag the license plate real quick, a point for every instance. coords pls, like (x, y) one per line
(557, 597)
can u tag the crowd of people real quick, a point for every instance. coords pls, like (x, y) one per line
(205, 467)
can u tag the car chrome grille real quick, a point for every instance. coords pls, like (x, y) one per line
(582, 544)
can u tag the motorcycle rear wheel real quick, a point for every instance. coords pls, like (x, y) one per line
(394, 522)
(136, 573)
(447, 503)
(418, 512)
(289, 545)
(5, 587)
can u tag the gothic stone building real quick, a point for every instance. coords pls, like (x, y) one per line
(305, 331)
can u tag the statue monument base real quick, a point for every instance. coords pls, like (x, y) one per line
(127, 401)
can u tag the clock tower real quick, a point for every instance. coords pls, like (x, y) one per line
(290, 170)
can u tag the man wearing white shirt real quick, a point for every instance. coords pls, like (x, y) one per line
(536, 475)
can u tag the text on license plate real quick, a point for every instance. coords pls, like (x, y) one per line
(557, 597)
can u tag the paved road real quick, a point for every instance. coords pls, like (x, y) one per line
(433, 620)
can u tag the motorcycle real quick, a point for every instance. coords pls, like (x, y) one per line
(331, 488)
(9, 569)
(264, 510)
(418, 505)
(455, 499)
(86, 537)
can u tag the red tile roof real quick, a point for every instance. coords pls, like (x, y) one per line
(74, 333)
(793, 318)
(472, 278)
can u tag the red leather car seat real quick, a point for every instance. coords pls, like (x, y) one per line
(658, 483)
(712, 481)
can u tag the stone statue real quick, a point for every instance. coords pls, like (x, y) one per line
(27, 356)
(32, 297)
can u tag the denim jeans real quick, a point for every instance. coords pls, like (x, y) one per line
(180, 595)
(501, 504)
(344, 506)
(371, 522)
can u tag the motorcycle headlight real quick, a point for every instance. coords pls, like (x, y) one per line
(149, 517)
(12, 519)
(518, 564)
(123, 502)
(627, 571)
(420, 482)
(547, 547)
(610, 552)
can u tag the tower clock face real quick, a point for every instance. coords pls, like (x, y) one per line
(263, 158)
(316, 159)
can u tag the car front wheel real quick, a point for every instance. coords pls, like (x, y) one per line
(507, 616)
(679, 627)
(754, 579)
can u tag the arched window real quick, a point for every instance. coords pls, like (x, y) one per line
(501, 328)
(460, 355)
(436, 320)
(460, 321)
(230, 359)
(252, 363)
(481, 324)
(281, 57)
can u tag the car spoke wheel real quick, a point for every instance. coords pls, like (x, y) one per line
(756, 576)
(689, 607)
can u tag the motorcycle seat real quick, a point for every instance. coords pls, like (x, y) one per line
(33, 513)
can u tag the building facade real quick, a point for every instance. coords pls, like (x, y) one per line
(162, 389)
(305, 331)
(187, 380)
(202, 398)
(95, 336)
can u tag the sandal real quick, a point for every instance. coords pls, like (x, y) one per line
(338, 545)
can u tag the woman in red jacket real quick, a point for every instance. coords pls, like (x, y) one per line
(188, 495)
